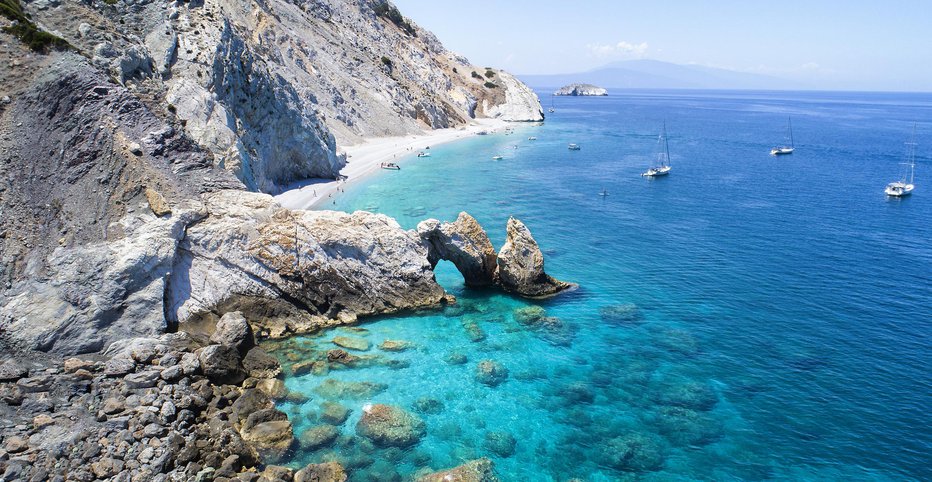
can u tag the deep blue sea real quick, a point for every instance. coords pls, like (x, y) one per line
(776, 313)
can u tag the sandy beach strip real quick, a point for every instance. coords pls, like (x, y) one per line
(365, 159)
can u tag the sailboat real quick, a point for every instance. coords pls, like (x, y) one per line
(663, 157)
(551, 104)
(780, 151)
(904, 187)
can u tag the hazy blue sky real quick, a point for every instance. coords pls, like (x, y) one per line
(878, 45)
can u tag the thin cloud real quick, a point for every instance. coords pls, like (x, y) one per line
(620, 49)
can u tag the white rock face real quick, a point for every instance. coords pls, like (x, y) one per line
(292, 271)
(521, 265)
(95, 294)
(582, 90)
(271, 87)
(521, 103)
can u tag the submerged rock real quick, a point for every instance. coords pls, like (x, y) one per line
(491, 373)
(352, 343)
(456, 358)
(502, 444)
(336, 389)
(521, 265)
(395, 345)
(685, 427)
(635, 452)
(390, 426)
(465, 244)
(333, 413)
(318, 437)
(473, 330)
(678, 341)
(529, 315)
(481, 470)
(622, 314)
(271, 439)
(692, 395)
(325, 472)
(428, 405)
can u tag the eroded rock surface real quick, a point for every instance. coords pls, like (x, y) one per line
(465, 244)
(292, 271)
(480, 470)
(390, 426)
(521, 265)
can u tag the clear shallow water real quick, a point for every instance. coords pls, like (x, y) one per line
(785, 303)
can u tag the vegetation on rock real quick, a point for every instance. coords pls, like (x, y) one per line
(27, 31)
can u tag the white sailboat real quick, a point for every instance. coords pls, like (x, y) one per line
(781, 151)
(662, 167)
(905, 186)
(551, 103)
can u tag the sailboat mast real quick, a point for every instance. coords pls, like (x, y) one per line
(666, 146)
(911, 158)
(789, 124)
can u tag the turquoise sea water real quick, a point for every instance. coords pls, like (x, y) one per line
(784, 305)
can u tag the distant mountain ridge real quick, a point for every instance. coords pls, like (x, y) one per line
(654, 74)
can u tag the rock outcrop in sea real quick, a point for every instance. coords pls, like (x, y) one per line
(521, 265)
(464, 243)
(581, 90)
(518, 267)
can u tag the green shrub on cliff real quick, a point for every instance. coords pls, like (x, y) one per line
(26, 31)
(387, 11)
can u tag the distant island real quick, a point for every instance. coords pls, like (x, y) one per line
(581, 89)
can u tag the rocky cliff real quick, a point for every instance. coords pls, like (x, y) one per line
(127, 153)
(271, 88)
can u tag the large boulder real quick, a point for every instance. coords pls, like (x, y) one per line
(259, 364)
(326, 472)
(390, 426)
(481, 470)
(521, 265)
(295, 271)
(233, 330)
(221, 364)
(272, 438)
(465, 244)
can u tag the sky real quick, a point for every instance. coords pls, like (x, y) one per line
(828, 44)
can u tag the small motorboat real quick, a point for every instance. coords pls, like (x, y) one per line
(497, 158)
(573, 147)
(532, 138)
(423, 154)
(391, 166)
(603, 193)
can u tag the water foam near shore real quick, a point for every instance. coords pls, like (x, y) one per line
(732, 323)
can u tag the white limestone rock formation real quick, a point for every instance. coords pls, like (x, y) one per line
(581, 90)
(294, 271)
(521, 103)
(521, 265)
(464, 243)
(271, 88)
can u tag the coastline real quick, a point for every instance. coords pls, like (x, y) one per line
(364, 159)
